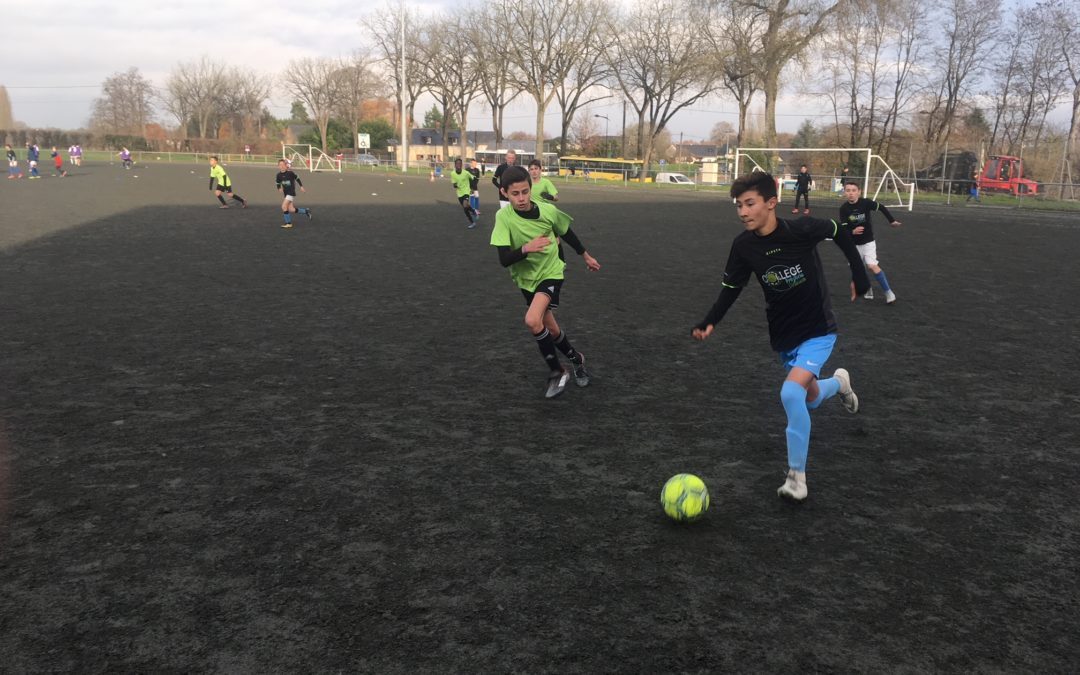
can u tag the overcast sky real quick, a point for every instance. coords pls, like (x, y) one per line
(56, 54)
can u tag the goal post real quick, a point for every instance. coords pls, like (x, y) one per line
(876, 172)
(311, 157)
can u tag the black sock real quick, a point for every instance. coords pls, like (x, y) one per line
(221, 199)
(238, 198)
(547, 349)
(566, 348)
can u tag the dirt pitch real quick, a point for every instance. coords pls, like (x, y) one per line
(235, 448)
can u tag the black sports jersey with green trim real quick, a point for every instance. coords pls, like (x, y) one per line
(854, 215)
(786, 264)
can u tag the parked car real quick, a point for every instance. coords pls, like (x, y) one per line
(673, 178)
(367, 160)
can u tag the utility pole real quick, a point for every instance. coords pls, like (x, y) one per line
(623, 155)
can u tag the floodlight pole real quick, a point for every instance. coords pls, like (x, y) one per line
(607, 140)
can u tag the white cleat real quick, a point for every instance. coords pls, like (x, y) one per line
(847, 395)
(794, 488)
(890, 297)
(869, 295)
(557, 383)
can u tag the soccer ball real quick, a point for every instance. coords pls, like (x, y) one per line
(684, 497)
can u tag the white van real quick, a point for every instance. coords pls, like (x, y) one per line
(673, 178)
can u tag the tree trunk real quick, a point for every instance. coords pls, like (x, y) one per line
(539, 153)
(771, 86)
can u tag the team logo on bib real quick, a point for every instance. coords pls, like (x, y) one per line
(783, 278)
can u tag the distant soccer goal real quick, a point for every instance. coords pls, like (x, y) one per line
(310, 157)
(878, 175)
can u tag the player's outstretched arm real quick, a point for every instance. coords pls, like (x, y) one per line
(701, 334)
(728, 295)
(572, 239)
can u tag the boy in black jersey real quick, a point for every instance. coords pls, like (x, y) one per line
(525, 235)
(287, 182)
(782, 256)
(855, 214)
(474, 185)
(802, 189)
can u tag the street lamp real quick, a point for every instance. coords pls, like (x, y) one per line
(607, 140)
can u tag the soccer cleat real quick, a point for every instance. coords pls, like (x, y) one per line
(794, 487)
(243, 205)
(869, 295)
(847, 394)
(308, 214)
(287, 226)
(806, 212)
(890, 297)
(795, 210)
(581, 376)
(557, 382)
(224, 206)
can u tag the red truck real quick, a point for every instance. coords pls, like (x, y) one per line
(1004, 173)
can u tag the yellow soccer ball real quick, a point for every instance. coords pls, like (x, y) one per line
(684, 497)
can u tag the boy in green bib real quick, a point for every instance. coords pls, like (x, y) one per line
(525, 236)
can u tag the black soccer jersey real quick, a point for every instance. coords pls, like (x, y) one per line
(287, 181)
(474, 182)
(854, 215)
(786, 264)
(802, 182)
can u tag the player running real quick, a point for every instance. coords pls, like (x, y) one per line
(855, 214)
(125, 158)
(462, 182)
(524, 235)
(220, 183)
(58, 163)
(543, 190)
(287, 182)
(474, 185)
(782, 256)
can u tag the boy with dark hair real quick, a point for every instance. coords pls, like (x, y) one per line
(474, 185)
(542, 187)
(855, 214)
(220, 183)
(287, 182)
(524, 235)
(782, 256)
(32, 155)
(802, 189)
(462, 182)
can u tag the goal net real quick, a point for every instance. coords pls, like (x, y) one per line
(311, 158)
(879, 182)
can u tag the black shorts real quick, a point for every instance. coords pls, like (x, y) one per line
(549, 287)
(462, 199)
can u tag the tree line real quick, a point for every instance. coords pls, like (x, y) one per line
(929, 67)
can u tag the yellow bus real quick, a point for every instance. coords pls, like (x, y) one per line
(601, 168)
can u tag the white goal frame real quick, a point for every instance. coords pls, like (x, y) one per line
(889, 181)
(312, 158)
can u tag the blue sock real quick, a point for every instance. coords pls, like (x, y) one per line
(288, 218)
(826, 390)
(302, 210)
(798, 425)
(475, 203)
(880, 276)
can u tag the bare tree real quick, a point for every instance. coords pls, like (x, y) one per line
(588, 67)
(967, 26)
(194, 91)
(315, 83)
(126, 103)
(657, 64)
(586, 132)
(1066, 18)
(496, 76)
(385, 26)
(452, 77)
(789, 27)
(543, 40)
(243, 99)
(909, 42)
(733, 32)
(7, 121)
(357, 82)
